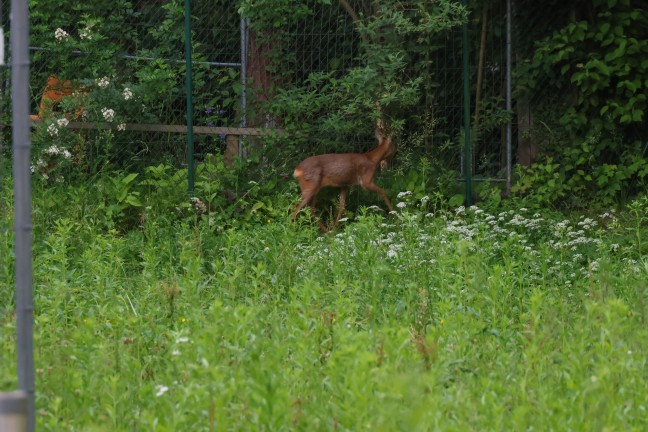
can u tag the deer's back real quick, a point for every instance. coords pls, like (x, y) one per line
(334, 169)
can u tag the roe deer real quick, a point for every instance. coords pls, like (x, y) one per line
(342, 170)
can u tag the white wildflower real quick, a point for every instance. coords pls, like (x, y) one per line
(403, 194)
(161, 389)
(52, 130)
(425, 199)
(121, 127)
(175, 352)
(85, 33)
(53, 150)
(67, 154)
(128, 94)
(182, 339)
(103, 82)
(62, 122)
(61, 34)
(401, 205)
(108, 114)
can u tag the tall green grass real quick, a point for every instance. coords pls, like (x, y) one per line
(464, 319)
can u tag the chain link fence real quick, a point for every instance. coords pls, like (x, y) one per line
(122, 63)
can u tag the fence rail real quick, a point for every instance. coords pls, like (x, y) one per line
(198, 130)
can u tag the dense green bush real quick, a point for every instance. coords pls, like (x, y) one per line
(590, 78)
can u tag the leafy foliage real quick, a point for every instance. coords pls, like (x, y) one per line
(598, 63)
(391, 71)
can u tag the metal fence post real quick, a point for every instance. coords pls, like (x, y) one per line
(13, 412)
(509, 125)
(466, 100)
(22, 202)
(244, 54)
(188, 81)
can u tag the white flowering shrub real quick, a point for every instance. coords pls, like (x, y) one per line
(80, 61)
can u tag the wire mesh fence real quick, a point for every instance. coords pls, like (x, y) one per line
(122, 63)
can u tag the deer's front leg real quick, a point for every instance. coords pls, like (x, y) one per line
(343, 195)
(375, 188)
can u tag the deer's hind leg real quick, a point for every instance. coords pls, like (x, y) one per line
(309, 198)
(309, 191)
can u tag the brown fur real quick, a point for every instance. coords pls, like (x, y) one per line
(342, 171)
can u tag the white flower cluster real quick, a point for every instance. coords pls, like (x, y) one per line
(86, 33)
(40, 163)
(61, 34)
(103, 82)
(128, 93)
(161, 389)
(51, 152)
(53, 128)
(542, 247)
(198, 205)
(108, 114)
(55, 150)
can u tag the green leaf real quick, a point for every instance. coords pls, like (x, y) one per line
(605, 28)
(637, 115)
(129, 178)
(133, 200)
(456, 200)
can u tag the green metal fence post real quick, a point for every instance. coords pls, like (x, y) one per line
(467, 158)
(190, 143)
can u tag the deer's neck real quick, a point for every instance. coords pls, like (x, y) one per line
(378, 154)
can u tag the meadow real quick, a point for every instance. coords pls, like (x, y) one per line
(432, 318)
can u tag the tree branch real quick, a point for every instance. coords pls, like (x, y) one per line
(347, 7)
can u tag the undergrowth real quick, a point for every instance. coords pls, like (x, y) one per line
(432, 318)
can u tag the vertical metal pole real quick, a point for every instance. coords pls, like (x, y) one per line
(13, 412)
(509, 125)
(244, 55)
(22, 201)
(188, 81)
(467, 159)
